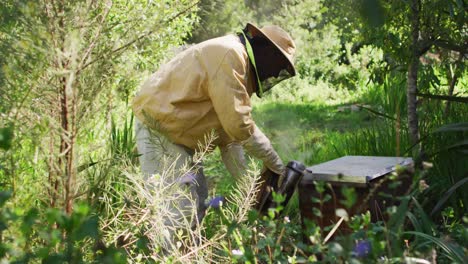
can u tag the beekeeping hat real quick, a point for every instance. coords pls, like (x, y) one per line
(283, 43)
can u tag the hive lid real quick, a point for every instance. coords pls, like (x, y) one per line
(358, 170)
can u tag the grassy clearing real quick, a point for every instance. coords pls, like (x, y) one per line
(296, 131)
(322, 124)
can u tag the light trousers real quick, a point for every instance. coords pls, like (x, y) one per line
(169, 168)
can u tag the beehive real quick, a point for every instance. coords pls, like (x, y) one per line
(367, 175)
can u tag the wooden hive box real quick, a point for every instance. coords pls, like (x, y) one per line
(369, 176)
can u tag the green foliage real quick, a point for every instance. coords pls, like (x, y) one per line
(217, 18)
(67, 67)
(446, 148)
(122, 139)
(53, 236)
(267, 239)
(6, 135)
(322, 55)
(384, 134)
(350, 53)
(451, 251)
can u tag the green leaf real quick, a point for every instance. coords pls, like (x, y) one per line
(54, 215)
(452, 127)
(447, 195)
(372, 13)
(81, 209)
(350, 197)
(85, 166)
(452, 251)
(327, 198)
(427, 224)
(3, 226)
(143, 244)
(4, 196)
(6, 136)
(315, 199)
(320, 186)
(54, 258)
(252, 216)
(336, 249)
(397, 219)
(28, 221)
(458, 144)
(89, 228)
(316, 212)
(3, 250)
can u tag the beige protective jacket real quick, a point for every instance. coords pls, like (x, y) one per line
(206, 87)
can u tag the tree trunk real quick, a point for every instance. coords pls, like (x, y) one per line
(412, 81)
(63, 178)
(67, 119)
(411, 90)
(67, 143)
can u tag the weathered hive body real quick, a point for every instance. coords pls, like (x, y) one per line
(368, 175)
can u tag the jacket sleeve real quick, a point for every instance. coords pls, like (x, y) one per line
(259, 146)
(228, 93)
(231, 102)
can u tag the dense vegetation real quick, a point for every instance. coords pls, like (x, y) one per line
(383, 78)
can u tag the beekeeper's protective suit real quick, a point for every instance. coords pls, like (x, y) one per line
(207, 88)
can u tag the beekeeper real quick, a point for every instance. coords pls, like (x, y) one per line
(205, 89)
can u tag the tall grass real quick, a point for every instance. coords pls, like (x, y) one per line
(135, 211)
(379, 139)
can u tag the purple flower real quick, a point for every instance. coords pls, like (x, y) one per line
(362, 249)
(216, 202)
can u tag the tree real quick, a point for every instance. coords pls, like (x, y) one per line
(405, 30)
(61, 68)
(218, 18)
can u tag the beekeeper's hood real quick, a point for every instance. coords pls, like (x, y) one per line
(284, 46)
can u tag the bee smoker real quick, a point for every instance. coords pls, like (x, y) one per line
(292, 176)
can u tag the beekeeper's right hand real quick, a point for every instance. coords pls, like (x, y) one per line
(259, 146)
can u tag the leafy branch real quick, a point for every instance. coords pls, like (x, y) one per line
(137, 39)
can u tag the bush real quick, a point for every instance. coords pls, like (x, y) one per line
(53, 236)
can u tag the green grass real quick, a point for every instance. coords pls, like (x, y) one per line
(297, 130)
